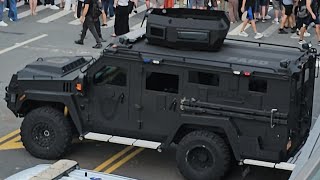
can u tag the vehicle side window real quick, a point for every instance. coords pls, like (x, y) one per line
(162, 82)
(258, 85)
(111, 75)
(204, 78)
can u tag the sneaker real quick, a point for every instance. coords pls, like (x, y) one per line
(306, 34)
(275, 21)
(11, 19)
(47, 5)
(112, 17)
(97, 46)
(3, 24)
(79, 42)
(263, 20)
(258, 35)
(104, 25)
(302, 41)
(267, 17)
(282, 31)
(244, 34)
(293, 30)
(103, 40)
(318, 43)
(54, 7)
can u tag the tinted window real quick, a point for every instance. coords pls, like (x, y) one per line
(204, 78)
(111, 75)
(162, 82)
(258, 85)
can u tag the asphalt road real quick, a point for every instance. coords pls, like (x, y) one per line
(52, 33)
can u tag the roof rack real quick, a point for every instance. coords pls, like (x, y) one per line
(262, 43)
(139, 52)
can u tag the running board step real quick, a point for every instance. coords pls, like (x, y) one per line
(122, 140)
(281, 165)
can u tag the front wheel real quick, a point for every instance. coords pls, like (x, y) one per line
(46, 133)
(202, 155)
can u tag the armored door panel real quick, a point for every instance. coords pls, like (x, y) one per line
(160, 98)
(108, 102)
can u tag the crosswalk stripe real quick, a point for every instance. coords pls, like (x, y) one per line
(28, 12)
(21, 3)
(138, 26)
(54, 16)
(111, 22)
(270, 30)
(236, 30)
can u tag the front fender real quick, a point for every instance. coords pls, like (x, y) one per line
(55, 97)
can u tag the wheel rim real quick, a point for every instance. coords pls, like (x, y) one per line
(43, 135)
(200, 158)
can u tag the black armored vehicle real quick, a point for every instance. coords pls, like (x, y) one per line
(179, 80)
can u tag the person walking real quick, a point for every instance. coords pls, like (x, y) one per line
(33, 6)
(2, 23)
(247, 6)
(121, 24)
(312, 7)
(88, 19)
(12, 14)
(233, 10)
(287, 15)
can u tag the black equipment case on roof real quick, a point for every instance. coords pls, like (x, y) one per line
(187, 28)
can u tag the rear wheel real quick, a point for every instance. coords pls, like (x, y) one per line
(46, 133)
(202, 155)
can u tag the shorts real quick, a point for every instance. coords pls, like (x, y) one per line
(263, 2)
(305, 22)
(250, 14)
(288, 9)
(256, 8)
(105, 5)
(276, 4)
(197, 3)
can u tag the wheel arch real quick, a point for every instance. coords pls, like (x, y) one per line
(58, 101)
(227, 132)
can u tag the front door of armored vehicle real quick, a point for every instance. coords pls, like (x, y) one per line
(108, 96)
(160, 98)
(302, 90)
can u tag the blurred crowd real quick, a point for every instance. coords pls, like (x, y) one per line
(293, 15)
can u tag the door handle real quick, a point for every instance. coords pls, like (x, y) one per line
(271, 119)
(137, 106)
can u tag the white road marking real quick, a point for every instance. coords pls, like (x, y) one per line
(21, 3)
(110, 23)
(138, 26)
(28, 12)
(22, 43)
(236, 30)
(268, 32)
(54, 16)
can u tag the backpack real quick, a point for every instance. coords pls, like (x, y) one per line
(96, 9)
(302, 10)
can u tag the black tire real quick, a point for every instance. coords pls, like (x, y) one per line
(46, 133)
(202, 155)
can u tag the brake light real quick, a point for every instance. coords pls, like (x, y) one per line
(246, 73)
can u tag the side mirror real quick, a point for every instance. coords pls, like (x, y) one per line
(80, 84)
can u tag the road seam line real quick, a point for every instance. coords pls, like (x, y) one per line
(113, 158)
(22, 43)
